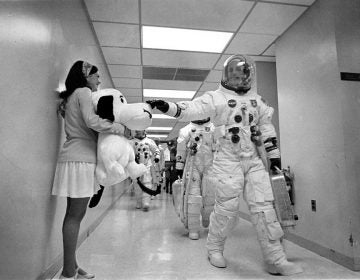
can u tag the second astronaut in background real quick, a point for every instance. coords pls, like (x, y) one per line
(148, 153)
(193, 159)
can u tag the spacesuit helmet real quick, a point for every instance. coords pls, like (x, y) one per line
(140, 134)
(238, 73)
(200, 122)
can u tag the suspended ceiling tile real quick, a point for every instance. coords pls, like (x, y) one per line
(199, 93)
(184, 74)
(117, 34)
(220, 15)
(172, 135)
(125, 71)
(174, 100)
(125, 11)
(127, 83)
(220, 63)
(270, 50)
(214, 76)
(179, 125)
(158, 73)
(121, 55)
(171, 85)
(133, 99)
(179, 59)
(179, 74)
(248, 43)
(130, 92)
(263, 58)
(209, 86)
(296, 2)
(273, 19)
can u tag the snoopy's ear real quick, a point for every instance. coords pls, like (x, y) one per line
(105, 107)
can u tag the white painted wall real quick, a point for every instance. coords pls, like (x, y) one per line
(39, 41)
(319, 124)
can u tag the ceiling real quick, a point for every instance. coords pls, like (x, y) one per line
(255, 24)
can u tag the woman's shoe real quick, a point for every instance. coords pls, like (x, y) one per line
(63, 277)
(82, 274)
(96, 197)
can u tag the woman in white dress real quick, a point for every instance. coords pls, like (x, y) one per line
(75, 170)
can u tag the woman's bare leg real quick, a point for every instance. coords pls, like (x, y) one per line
(75, 212)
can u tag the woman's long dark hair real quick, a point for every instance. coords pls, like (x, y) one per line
(75, 79)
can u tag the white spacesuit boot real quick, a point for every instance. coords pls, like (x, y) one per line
(221, 224)
(194, 208)
(269, 233)
(138, 203)
(146, 202)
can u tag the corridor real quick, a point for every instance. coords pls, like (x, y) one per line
(135, 245)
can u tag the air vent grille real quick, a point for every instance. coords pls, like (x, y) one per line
(176, 74)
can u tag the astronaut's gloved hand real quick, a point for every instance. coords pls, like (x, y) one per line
(275, 164)
(179, 173)
(159, 104)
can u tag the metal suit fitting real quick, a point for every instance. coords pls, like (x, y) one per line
(193, 149)
(255, 135)
(235, 138)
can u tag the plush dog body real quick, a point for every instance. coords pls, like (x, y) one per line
(115, 154)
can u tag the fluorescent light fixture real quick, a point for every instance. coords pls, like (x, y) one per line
(158, 128)
(157, 135)
(161, 116)
(164, 93)
(184, 39)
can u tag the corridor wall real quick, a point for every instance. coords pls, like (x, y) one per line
(39, 41)
(319, 126)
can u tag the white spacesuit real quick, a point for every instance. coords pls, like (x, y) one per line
(240, 117)
(195, 147)
(146, 152)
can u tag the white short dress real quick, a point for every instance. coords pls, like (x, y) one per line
(75, 179)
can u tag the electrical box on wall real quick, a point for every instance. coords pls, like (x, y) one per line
(346, 76)
(313, 205)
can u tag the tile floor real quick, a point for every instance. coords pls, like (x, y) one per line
(135, 245)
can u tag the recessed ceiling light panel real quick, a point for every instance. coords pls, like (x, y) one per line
(157, 135)
(159, 128)
(161, 116)
(184, 39)
(163, 93)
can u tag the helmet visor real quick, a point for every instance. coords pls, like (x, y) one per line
(238, 73)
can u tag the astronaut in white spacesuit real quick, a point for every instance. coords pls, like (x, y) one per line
(195, 148)
(148, 153)
(240, 117)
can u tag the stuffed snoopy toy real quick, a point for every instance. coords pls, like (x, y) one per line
(115, 154)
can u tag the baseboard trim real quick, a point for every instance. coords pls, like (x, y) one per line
(327, 253)
(57, 264)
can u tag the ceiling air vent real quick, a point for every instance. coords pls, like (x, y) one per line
(176, 74)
